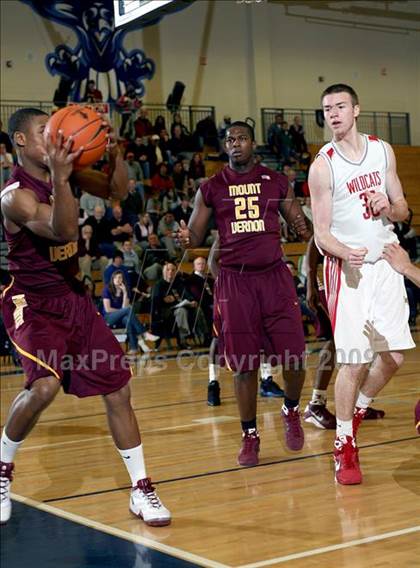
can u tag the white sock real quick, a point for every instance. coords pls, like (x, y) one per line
(8, 448)
(363, 401)
(213, 372)
(266, 371)
(319, 396)
(134, 462)
(344, 428)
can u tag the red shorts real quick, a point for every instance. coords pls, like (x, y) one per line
(259, 311)
(65, 337)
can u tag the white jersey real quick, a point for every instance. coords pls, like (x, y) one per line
(353, 222)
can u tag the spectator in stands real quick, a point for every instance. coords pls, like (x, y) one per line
(177, 121)
(88, 203)
(273, 134)
(205, 134)
(172, 305)
(160, 124)
(170, 200)
(92, 94)
(134, 170)
(154, 209)
(89, 253)
(142, 125)
(179, 144)
(301, 292)
(293, 183)
(179, 175)
(162, 181)
(407, 235)
(140, 149)
(131, 263)
(5, 139)
(183, 211)
(200, 284)
(165, 148)
(101, 231)
(297, 134)
(6, 164)
(142, 229)
(286, 143)
(197, 169)
(166, 229)
(118, 313)
(155, 255)
(121, 230)
(306, 208)
(127, 105)
(223, 126)
(116, 264)
(133, 204)
(155, 154)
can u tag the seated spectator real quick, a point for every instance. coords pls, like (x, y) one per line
(155, 255)
(297, 134)
(90, 256)
(88, 203)
(183, 211)
(133, 203)
(160, 124)
(6, 164)
(121, 230)
(179, 144)
(177, 121)
(179, 175)
(166, 228)
(174, 308)
(197, 169)
(140, 149)
(134, 170)
(165, 148)
(301, 293)
(200, 284)
(170, 200)
(162, 181)
(92, 94)
(142, 229)
(142, 124)
(117, 264)
(154, 209)
(306, 208)
(101, 231)
(118, 313)
(131, 263)
(295, 185)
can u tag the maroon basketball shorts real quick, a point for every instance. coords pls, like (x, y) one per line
(65, 337)
(260, 312)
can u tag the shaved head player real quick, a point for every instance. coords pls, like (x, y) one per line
(47, 313)
(254, 293)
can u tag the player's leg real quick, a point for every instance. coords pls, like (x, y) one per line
(213, 388)
(268, 386)
(23, 415)
(246, 386)
(316, 412)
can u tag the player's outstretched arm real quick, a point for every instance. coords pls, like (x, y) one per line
(321, 203)
(114, 185)
(59, 221)
(193, 235)
(292, 212)
(400, 261)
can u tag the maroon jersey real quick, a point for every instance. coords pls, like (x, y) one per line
(40, 265)
(246, 209)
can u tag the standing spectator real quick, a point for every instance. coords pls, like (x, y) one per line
(121, 230)
(273, 134)
(286, 142)
(6, 164)
(298, 136)
(134, 170)
(142, 125)
(166, 228)
(92, 94)
(127, 105)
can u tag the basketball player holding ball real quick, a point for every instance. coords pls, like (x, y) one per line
(46, 311)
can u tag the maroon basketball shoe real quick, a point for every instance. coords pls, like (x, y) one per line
(293, 428)
(248, 454)
(373, 414)
(319, 416)
(6, 477)
(417, 416)
(346, 461)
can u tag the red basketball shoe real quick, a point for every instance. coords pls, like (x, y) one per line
(346, 461)
(248, 455)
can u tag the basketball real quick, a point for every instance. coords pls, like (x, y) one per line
(86, 127)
